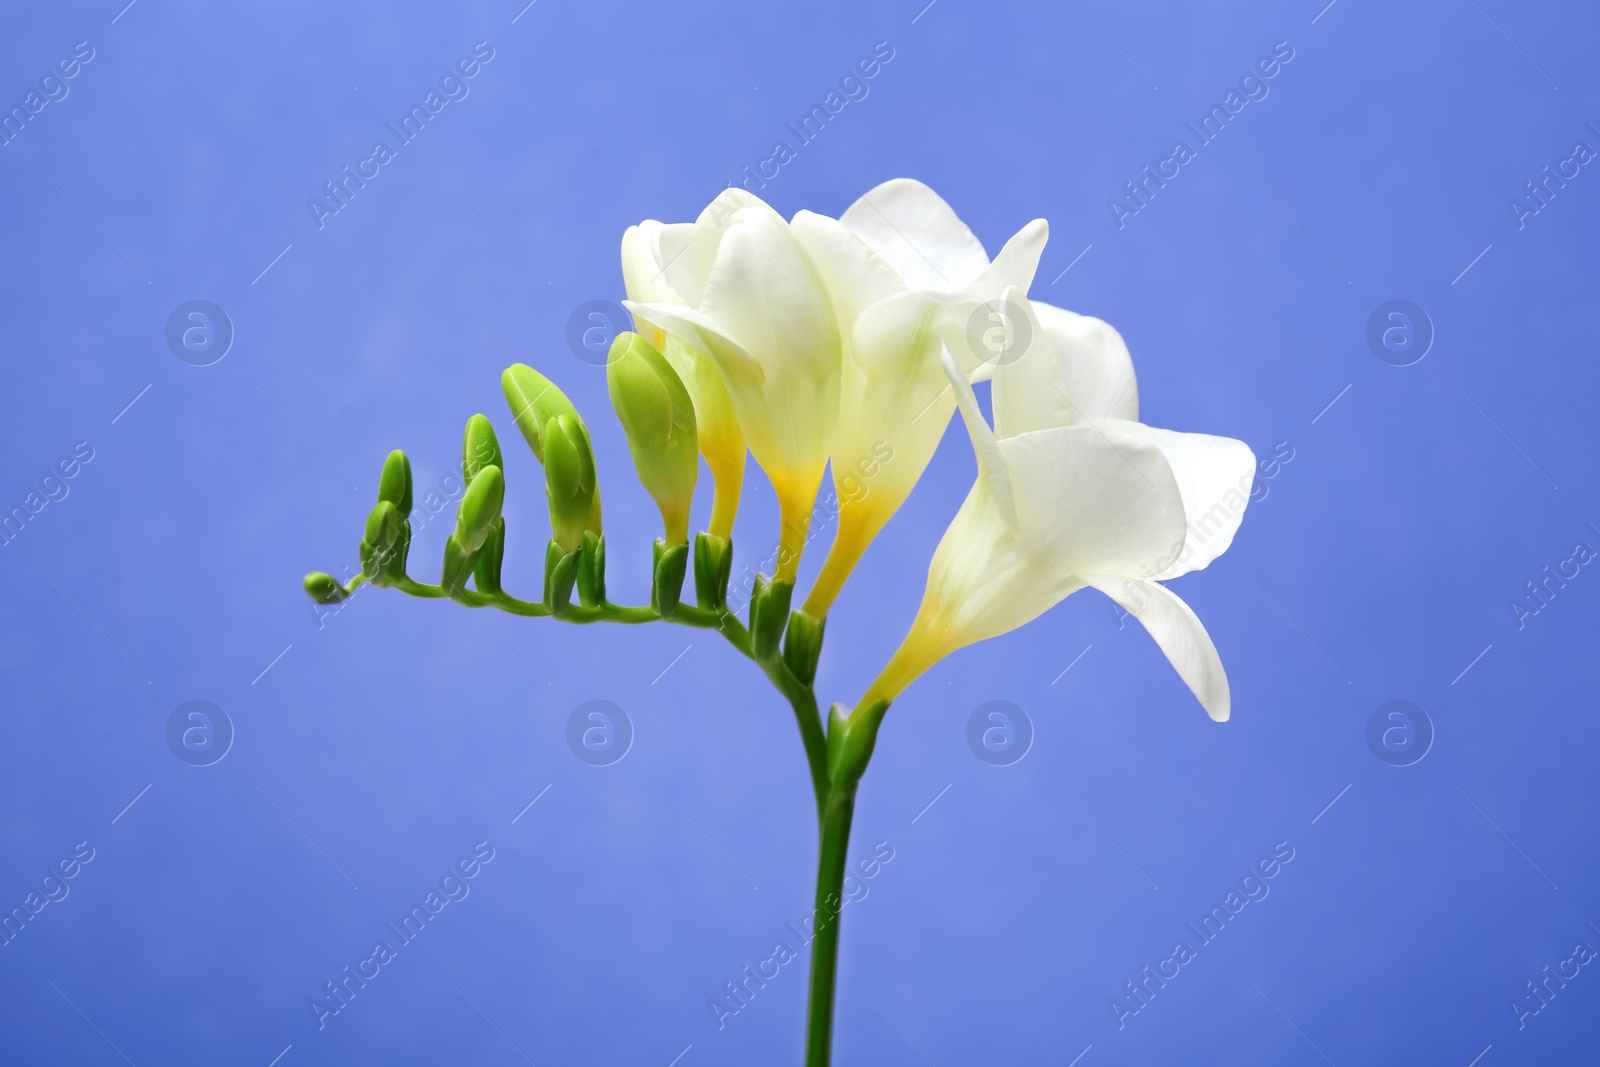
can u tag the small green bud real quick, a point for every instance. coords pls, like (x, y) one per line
(769, 611)
(480, 508)
(569, 480)
(658, 416)
(534, 401)
(395, 484)
(802, 645)
(325, 588)
(666, 585)
(479, 448)
(713, 563)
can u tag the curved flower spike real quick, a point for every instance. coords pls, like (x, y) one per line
(752, 303)
(1098, 499)
(905, 276)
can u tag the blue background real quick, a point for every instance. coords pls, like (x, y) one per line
(374, 747)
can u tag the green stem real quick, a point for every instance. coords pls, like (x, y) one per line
(810, 720)
(837, 809)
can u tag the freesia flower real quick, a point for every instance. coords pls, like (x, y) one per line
(905, 276)
(744, 296)
(1073, 492)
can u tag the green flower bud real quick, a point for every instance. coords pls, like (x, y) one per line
(658, 416)
(479, 448)
(480, 508)
(395, 484)
(534, 401)
(569, 480)
(325, 588)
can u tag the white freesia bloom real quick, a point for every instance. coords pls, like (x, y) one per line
(746, 297)
(1072, 492)
(905, 275)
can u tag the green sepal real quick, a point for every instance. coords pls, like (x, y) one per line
(560, 574)
(325, 588)
(802, 645)
(713, 563)
(458, 564)
(851, 739)
(479, 448)
(379, 520)
(592, 570)
(480, 508)
(769, 612)
(486, 572)
(384, 544)
(666, 583)
(395, 483)
(552, 557)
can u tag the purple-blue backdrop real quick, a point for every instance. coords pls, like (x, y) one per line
(374, 749)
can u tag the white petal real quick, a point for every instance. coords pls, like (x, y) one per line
(894, 408)
(687, 251)
(1093, 501)
(986, 335)
(855, 276)
(917, 234)
(1017, 262)
(991, 465)
(1076, 370)
(1178, 632)
(1085, 505)
(702, 334)
(675, 266)
(764, 292)
(1215, 475)
(640, 270)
